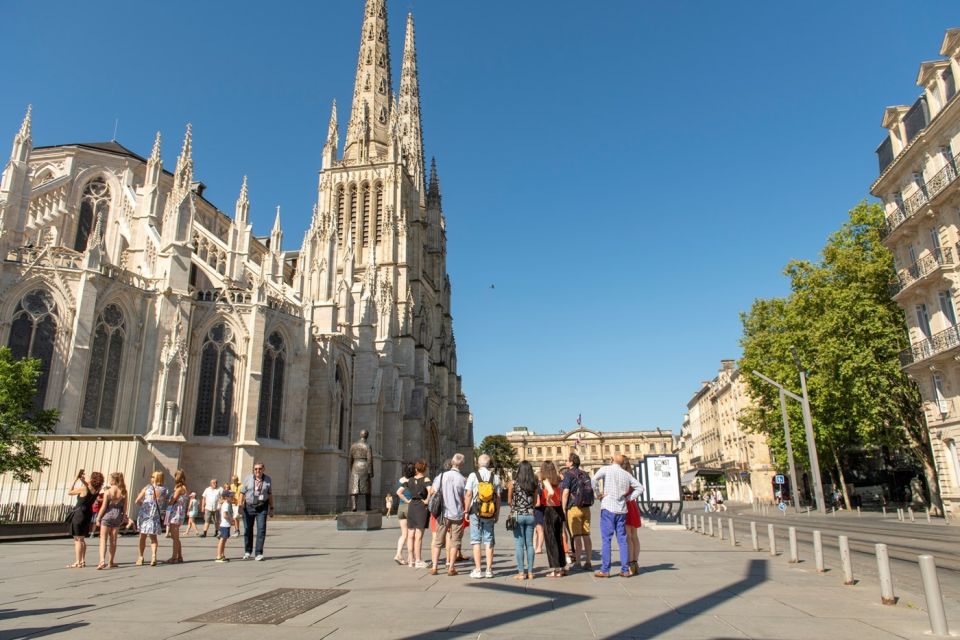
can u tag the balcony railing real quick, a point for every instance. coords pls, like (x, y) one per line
(923, 267)
(937, 343)
(940, 181)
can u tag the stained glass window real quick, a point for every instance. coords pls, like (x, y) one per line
(271, 388)
(94, 202)
(33, 333)
(216, 385)
(103, 377)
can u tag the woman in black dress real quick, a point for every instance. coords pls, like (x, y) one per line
(82, 513)
(417, 514)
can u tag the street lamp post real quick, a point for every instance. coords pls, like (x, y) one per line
(811, 442)
(786, 433)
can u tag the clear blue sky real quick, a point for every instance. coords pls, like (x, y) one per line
(629, 175)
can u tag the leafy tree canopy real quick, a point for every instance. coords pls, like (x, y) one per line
(20, 421)
(502, 454)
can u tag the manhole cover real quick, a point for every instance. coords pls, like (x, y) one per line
(273, 607)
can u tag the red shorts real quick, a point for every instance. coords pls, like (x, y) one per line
(633, 514)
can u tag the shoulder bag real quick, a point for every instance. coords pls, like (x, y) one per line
(435, 506)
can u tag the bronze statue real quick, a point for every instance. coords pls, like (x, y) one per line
(361, 470)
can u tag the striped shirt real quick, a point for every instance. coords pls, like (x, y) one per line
(618, 487)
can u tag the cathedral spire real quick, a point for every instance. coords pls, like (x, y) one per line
(23, 141)
(333, 136)
(433, 190)
(154, 168)
(368, 131)
(276, 234)
(183, 176)
(242, 211)
(410, 122)
(155, 152)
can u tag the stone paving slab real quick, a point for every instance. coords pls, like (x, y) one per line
(690, 587)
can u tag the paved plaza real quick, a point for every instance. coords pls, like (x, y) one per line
(691, 586)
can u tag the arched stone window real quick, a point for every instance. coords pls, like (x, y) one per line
(365, 215)
(218, 358)
(271, 387)
(33, 333)
(340, 408)
(103, 378)
(94, 202)
(341, 214)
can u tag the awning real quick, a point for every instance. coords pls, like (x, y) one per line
(689, 477)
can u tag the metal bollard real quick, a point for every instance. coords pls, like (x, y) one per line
(910, 510)
(859, 515)
(703, 527)
(720, 527)
(886, 580)
(753, 536)
(710, 525)
(794, 555)
(845, 561)
(928, 515)
(733, 533)
(773, 540)
(818, 550)
(931, 590)
(884, 511)
(899, 514)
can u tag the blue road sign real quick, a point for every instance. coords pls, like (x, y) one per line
(782, 506)
(778, 479)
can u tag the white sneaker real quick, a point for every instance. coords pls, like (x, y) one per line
(488, 574)
(259, 558)
(422, 565)
(476, 573)
(246, 556)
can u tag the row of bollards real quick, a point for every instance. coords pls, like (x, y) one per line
(928, 568)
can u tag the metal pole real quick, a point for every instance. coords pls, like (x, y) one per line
(753, 536)
(710, 525)
(884, 511)
(733, 533)
(794, 555)
(818, 551)
(910, 510)
(703, 528)
(812, 446)
(793, 466)
(845, 560)
(899, 514)
(773, 540)
(928, 514)
(886, 580)
(931, 590)
(720, 527)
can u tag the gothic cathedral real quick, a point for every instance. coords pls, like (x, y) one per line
(163, 322)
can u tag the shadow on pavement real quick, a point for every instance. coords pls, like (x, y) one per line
(9, 614)
(755, 575)
(39, 632)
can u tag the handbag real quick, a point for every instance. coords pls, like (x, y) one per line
(511, 522)
(435, 506)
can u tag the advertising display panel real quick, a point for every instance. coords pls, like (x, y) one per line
(663, 479)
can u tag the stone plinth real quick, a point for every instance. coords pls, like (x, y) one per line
(359, 521)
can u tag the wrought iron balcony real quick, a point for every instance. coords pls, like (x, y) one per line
(937, 343)
(934, 187)
(923, 267)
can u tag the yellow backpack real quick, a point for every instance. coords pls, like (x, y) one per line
(486, 506)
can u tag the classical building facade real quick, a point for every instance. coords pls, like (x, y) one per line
(595, 448)
(920, 191)
(156, 315)
(714, 445)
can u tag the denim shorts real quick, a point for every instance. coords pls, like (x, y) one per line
(481, 530)
(224, 533)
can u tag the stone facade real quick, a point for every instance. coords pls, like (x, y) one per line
(157, 314)
(712, 443)
(595, 448)
(921, 194)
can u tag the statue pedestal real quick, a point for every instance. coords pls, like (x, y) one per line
(359, 521)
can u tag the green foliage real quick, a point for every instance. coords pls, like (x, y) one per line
(20, 421)
(848, 333)
(502, 454)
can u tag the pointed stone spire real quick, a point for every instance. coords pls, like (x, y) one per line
(368, 132)
(276, 234)
(411, 126)
(333, 136)
(155, 152)
(95, 239)
(23, 141)
(242, 210)
(433, 189)
(183, 176)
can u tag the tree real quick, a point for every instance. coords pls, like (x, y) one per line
(502, 454)
(20, 421)
(849, 334)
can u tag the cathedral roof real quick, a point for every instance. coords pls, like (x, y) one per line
(110, 147)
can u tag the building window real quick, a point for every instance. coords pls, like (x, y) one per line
(271, 387)
(653, 447)
(539, 451)
(340, 407)
(341, 214)
(103, 376)
(33, 333)
(365, 216)
(94, 203)
(380, 214)
(215, 389)
(529, 451)
(636, 448)
(616, 448)
(942, 405)
(593, 448)
(923, 320)
(606, 448)
(954, 460)
(353, 211)
(946, 306)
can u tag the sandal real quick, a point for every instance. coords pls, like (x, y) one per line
(101, 566)
(153, 562)
(520, 576)
(140, 561)
(530, 576)
(399, 560)
(75, 565)
(114, 565)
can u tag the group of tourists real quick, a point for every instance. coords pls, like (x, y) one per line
(545, 510)
(103, 508)
(713, 501)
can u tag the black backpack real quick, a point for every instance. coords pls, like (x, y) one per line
(581, 490)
